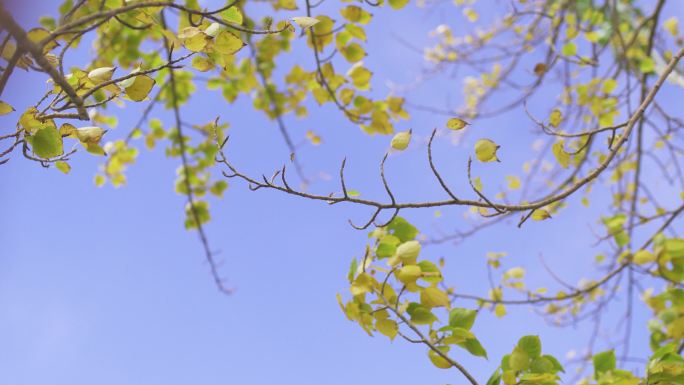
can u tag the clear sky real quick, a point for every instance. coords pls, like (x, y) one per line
(104, 286)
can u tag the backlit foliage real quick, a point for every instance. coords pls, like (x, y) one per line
(604, 128)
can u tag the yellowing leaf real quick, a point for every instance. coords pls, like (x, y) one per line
(193, 39)
(232, 15)
(202, 64)
(139, 88)
(228, 43)
(401, 140)
(408, 251)
(305, 21)
(456, 124)
(513, 182)
(398, 4)
(353, 52)
(540, 215)
(5, 108)
(569, 49)
(556, 117)
(672, 26)
(102, 74)
(647, 65)
(387, 327)
(485, 150)
(38, 35)
(643, 257)
(63, 166)
(89, 135)
(360, 76)
(313, 138)
(409, 274)
(433, 297)
(47, 143)
(561, 155)
(438, 360)
(499, 310)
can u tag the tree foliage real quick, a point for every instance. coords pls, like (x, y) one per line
(605, 61)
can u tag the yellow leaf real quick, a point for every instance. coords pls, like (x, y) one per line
(401, 140)
(499, 310)
(5, 108)
(438, 360)
(63, 166)
(672, 26)
(513, 182)
(556, 117)
(202, 64)
(485, 150)
(139, 88)
(193, 39)
(456, 124)
(540, 215)
(433, 297)
(409, 274)
(228, 43)
(313, 138)
(643, 257)
(387, 327)
(561, 155)
(408, 251)
(398, 4)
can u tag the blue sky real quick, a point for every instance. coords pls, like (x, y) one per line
(104, 285)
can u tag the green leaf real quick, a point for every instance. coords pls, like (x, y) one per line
(495, 378)
(437, 359)
(232, 15)
(530, 345)
(647, 65)
(420, 315)
(462, 318)
(557, 367)
(569, 49)
(352, 270)
(474, 347)
(604, 362)
(519, 359)
(431, 272)
(47, 143)
(401, 229)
